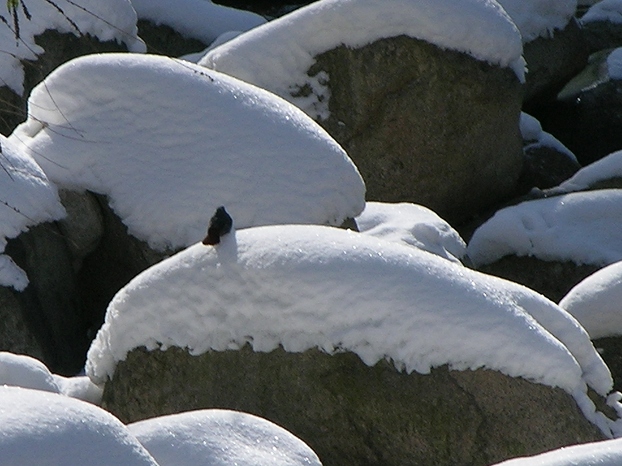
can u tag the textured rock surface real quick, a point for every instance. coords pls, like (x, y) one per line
(425, 125)
(16, 335)
(553, 61)
(552, 279)
(50, 302)
(352, 414)
(545, 167)
(164, 40)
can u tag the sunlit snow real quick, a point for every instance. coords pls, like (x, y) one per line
(596, 302)
(217, 437)
(48, 429)
(582, 227)
(277, 55)
(176, 141)
(198, 19)
(414, 225)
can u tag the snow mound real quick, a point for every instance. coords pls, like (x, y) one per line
(539, 18)
(27, 198)
(197, 19)
(605, 453)
(595, 302)
(414, 225)
(605, 10)
(44, 428)
(107, 21)
(18, 370)
(606, 168)
(176, 141)
(304, 287)
(582, 227)
(277, 55)
(218, 437)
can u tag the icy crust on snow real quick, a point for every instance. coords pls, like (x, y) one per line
(43, 428)
(26, 199)
(176, 141)
(277, 55)
(595, 302)
(225, 437)
(539, 18)
(582, 227)
(413, 225)
(605, 10)
(107, 21)
(306, 286)
(198, 19)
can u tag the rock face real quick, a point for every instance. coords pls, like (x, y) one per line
(425, 125)
(164, 40)
(74, 267)
(553, 61)
(545, 167)
(352, 414)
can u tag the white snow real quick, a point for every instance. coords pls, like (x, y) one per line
(596, 302)
(605, 10)
(197, 19)
(413, 225)
(277, 55)
(311, 286)
(48, 429)
(534, 136)
(582, 227)
(27, 198)
(604, 169)
(539, 18)
(176, 141)
(218, 437)
(26, 372)
(605, 453)
(107, 21)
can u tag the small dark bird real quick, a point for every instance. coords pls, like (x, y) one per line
(220, 224)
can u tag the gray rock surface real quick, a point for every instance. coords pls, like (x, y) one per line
(16, 335)
(352, 414)
(553, 61)
(425, 125)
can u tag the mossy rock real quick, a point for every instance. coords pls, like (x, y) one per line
(353, 414)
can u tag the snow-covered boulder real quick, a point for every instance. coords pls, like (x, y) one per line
(282, 313)
(217, 437)
(424, 95)
(414, 225)
(38, 427)
(51, 33)
(552, 244)
(167, 148)
(602, 25)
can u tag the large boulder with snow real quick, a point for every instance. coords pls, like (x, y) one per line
(552, 244)
(352, 414)
(52, 33)
(602, 25)
(428, 112)
(360, 321)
